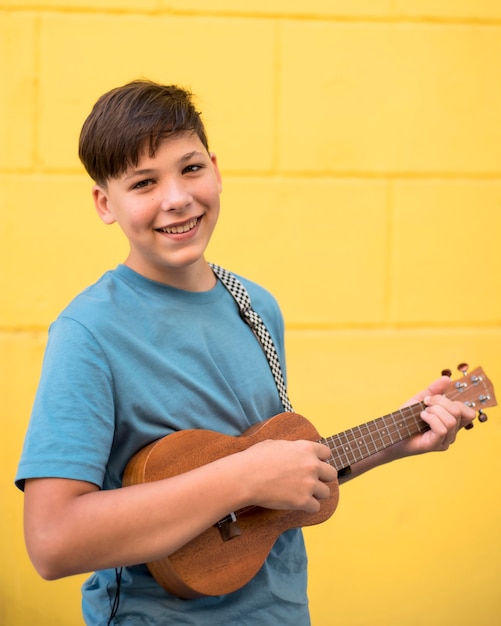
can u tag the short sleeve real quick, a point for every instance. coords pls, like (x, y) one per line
(72, 422)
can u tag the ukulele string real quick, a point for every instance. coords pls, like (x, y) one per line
(411, 421)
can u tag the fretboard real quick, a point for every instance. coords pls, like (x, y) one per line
(363, 441)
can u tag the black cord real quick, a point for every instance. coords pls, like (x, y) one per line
(116, 599)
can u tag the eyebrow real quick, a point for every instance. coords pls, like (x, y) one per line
(150, 171)
(145, 172)
(193, 153)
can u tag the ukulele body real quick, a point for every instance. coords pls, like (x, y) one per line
(227, 556)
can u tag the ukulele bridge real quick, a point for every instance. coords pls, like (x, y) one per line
(228, 527)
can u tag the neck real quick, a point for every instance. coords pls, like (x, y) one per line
(195, 277)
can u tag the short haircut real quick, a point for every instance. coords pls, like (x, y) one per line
(127, 119)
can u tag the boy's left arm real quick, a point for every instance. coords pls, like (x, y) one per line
(445, 417)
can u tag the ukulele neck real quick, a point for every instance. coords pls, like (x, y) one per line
(361, 442)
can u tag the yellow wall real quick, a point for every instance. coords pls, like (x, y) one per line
(360, 143)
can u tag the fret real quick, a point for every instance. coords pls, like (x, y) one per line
(403, 425)
(341, 449)
(382, 432)
(363, 449)
(367, 435)
(344, 448)
(360, 442)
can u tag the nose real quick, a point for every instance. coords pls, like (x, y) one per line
(175, 195)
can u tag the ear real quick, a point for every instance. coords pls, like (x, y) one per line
(100, 197)
(217, 173)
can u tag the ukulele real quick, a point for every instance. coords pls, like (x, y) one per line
(228, 554)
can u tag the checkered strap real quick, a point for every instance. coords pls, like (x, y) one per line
(239, 293)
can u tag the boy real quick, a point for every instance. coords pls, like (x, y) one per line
(157, 346)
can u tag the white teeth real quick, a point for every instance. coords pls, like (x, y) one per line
(178, 230)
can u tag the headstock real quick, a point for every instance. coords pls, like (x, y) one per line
(474, 389)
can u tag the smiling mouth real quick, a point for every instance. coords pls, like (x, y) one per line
(180, 228)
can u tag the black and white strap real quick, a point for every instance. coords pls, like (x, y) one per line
(239, 293)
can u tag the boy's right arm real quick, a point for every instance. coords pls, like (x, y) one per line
(73, 527)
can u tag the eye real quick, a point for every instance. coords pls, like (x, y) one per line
(143, 183)
(192, 169)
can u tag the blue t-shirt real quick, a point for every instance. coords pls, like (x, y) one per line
(130, 361)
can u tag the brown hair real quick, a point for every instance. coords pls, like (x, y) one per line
(127, 118)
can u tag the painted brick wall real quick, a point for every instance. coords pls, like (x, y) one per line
(360, 144)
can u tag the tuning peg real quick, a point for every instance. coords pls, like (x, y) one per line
(447, 372)
(463, 367)
(482, 417)
(469, 426)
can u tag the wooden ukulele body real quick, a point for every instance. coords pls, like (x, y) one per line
(223, 559)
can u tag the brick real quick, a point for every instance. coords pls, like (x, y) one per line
(385, 97)
(86, 5)
(446, 254)
(19, 371)
(232, 78)
(55, 245)
(318, 245)
(18, 95)
(472, 10)
(314, 8)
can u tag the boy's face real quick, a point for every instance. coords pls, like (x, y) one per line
(167, 206)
